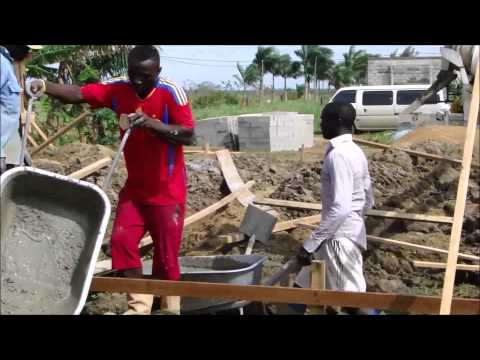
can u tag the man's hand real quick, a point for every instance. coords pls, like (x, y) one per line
(36, 87)
(304, 258)
(132, 120)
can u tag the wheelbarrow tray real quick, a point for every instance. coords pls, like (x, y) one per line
(52, 228)
(227, 269)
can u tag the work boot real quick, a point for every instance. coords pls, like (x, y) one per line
(139, 304)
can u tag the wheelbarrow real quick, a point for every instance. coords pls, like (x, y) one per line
(52, 228)
(226, 269)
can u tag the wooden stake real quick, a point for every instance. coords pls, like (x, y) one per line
(302, 153)
(456, 234)
(317, 281)
(62, 131)
(206, 148)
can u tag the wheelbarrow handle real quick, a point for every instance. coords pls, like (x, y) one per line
(289, 267)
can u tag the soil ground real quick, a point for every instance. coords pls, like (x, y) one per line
(401, 182)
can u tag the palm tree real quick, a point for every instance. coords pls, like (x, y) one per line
(108, 60)
(409, 51)
(288, 69)
(247, 77)
(263, 60)
(311, 55)
(352, 70)
(274, 69)
(77, 64)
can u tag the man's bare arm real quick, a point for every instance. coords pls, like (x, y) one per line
(67, 94)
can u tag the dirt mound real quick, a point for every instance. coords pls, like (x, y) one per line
(443, 134)
(401, 183)
(73, 156)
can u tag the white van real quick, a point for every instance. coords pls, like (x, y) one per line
(378, 107)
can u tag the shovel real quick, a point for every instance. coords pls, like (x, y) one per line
(258, 225)
(125, 125)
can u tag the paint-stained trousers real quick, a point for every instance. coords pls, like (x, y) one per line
(165, 225)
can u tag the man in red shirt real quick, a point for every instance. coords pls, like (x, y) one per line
(154, 195)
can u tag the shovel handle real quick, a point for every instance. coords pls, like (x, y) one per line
(26, 128)
(289, 267)
(108, 179)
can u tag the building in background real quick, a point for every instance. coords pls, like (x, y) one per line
(403, 70)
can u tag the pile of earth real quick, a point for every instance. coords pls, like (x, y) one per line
(401, 182)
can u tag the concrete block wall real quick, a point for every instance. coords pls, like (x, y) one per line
(221, 131)
(403, 71)
(273, 131)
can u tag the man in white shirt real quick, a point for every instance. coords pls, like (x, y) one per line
(346, 194)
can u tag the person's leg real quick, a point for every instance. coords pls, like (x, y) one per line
(344, 265)
(128, 229)
(165, 224)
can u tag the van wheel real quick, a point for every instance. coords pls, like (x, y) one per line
(355, 130)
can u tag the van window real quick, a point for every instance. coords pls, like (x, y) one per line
(347, 96)
(377, 98)
(406, 97)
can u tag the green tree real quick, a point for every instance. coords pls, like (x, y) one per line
(263, 59)
(352, 70)
(409, 51)
(274, 69)
(247, 76)
(288, 69)
(314, 58)
(78, 64)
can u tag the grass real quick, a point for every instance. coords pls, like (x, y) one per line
(300, 106)
(382, 137)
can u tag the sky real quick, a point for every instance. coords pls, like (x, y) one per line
(185, 64)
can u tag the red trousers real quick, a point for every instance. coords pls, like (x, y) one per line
(165, 225)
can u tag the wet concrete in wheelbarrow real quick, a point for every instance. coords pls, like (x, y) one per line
(38, 261)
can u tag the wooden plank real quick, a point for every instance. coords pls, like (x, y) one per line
(411, 152)
(31, 140)
(386, 241)
(413, 217)
(288, 203)
(40, 132)
(274, 294)
(62, 131)
(232, 177)
(438, 265)
(456, 234)
(214, 207)
(292, 224)
(147, 240)
(418, 247)
(377, 213)
(90, 169)
(317, 281)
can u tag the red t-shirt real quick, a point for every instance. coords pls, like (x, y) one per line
(156, 168)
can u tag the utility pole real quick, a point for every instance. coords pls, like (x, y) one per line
(305, 61)
(315, 83)
(263, 85)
